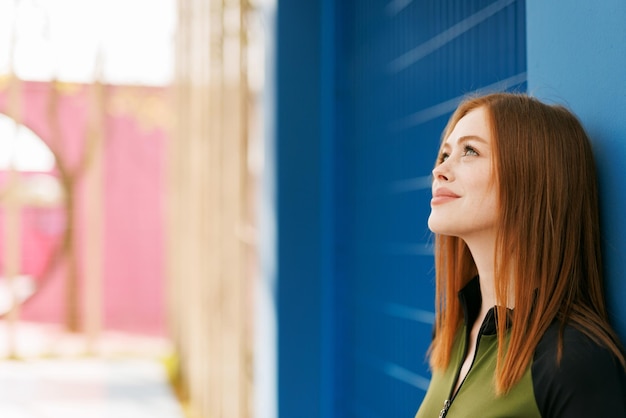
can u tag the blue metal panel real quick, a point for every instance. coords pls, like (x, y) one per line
(362, 91)
(402, 68)
(583, 67)
(302, 199)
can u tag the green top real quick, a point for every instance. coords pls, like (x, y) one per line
(476, 397)
(587, 381)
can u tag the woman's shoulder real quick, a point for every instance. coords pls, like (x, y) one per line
(576, 345)
(579, 378)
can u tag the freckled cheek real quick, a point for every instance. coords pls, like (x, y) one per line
(481, 196)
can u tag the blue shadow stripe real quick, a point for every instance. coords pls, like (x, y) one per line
(395, 371)
(409, 58)
(396, 6)
(448, 106)
(397, 310)
(412, 184)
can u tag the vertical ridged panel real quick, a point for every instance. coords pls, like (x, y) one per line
(402, 67)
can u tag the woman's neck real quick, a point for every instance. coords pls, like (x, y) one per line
(483, 253)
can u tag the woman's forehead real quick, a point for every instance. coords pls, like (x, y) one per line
(474, 124)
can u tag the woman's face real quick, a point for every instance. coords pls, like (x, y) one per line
(464, 202)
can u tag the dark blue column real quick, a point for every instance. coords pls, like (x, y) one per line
(303, 161)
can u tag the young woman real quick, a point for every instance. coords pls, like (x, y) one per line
(521, 326)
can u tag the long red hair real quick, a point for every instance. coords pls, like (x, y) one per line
(548, 238)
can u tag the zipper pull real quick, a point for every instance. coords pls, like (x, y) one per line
(444, 410)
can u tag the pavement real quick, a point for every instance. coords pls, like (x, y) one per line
(50, 375)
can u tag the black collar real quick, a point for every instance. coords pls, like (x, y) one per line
(471, 301)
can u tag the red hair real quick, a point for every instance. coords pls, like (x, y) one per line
(548, 236)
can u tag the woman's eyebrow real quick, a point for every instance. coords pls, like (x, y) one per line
(473, 137)
(465, 138)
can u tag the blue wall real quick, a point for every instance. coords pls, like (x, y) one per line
(577, 56)
(359, 91)
(402, 67)
(300, 274)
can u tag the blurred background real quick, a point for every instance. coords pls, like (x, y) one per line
(217, 208)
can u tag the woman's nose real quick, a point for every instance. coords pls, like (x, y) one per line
(441, 172)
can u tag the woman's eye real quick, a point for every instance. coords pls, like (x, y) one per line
(469, 151)
(443, 156)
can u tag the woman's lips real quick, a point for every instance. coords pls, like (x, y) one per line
(443, 195)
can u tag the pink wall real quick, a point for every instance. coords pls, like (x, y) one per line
(136, 131)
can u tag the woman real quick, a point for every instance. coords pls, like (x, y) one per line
(521, 326)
